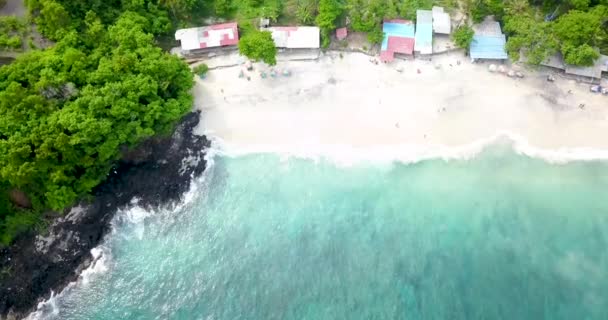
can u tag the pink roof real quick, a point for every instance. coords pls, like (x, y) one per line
(387, 56)
(341, 33)
(401, 45)
(397, 45)
(226, 38)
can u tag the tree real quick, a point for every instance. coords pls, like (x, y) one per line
(482, 8)
(329, 11)
(258, 45)
(583, 55)
(201, 69)
(178, 8)
(306, 11)
(534, 36)
(222, 7)
(65, 112)
(580, 31)
(53, 20)
(463, 36)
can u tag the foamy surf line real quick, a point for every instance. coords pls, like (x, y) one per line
(134, 215)
(409, 154)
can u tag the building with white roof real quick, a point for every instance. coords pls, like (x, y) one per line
(296, 37)
(441, 21)
(219, 35)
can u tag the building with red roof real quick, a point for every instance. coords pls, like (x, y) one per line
(218, 35)
(399, 38)
(341, 33)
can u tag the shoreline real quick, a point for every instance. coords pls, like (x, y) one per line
(343, 155)
(330, 106)
(156, 173)
(342, 99)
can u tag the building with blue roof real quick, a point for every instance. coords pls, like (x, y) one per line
(424, 32)
(488, 47)
(399, 37)
(488, 42)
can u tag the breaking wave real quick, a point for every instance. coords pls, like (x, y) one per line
(408, 154)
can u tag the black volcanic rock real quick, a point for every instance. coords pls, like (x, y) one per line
(157, 172)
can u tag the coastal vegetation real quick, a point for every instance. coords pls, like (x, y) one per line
(68, 112)
(201, 69)
(578, 29)
(259, 46)
(463, 36)
(12, 32)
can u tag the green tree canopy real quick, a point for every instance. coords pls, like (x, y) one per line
(65, 111)
(463, 36)
(259, 46)
(579, 32)
(329, 11)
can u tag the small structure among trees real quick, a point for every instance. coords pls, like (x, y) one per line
(295, 37)
(488, 41)
(219, 35)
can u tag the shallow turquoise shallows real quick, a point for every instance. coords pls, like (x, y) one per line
(501, 236)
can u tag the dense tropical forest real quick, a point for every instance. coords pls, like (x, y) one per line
(66, 112)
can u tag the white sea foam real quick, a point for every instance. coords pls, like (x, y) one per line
(346, 155)
(99, 265)
(102, 255)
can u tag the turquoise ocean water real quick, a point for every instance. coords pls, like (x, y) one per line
(500, 236)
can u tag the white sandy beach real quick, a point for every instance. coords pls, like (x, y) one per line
(349, 101)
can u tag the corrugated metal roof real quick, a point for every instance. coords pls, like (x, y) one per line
(554, 61)
(488, 27)
(225, 34)
(488, 47)
(424, 32)
(295, 37)
(441, 21)
(399, 37)
(594, 71)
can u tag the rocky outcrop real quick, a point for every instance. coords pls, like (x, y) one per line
(159, 171)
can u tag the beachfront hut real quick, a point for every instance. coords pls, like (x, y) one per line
(399, 38)
(295, 37)
(593, 72)
(341, 33)
(424, 32)
(214, 36)
(441, 21)
(556, 61)
(488, 41)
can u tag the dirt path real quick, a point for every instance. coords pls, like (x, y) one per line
(13, 7)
